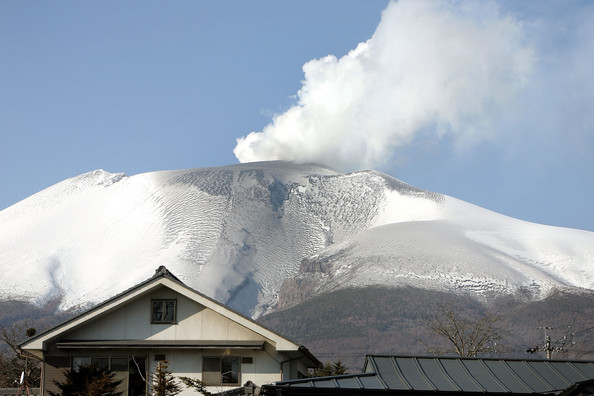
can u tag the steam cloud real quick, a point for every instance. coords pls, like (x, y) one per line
(430, 67)
(434, 69)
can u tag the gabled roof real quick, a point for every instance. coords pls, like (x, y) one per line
(419, 375)
(580, 389)
(162, 277)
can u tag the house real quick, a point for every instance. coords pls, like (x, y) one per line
(583, 388)
(435, 376)
(163, 319)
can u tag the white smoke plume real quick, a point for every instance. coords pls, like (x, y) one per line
(432, 68)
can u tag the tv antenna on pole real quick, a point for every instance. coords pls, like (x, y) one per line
(23, 385)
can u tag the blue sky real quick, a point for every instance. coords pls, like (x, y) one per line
(489, 102)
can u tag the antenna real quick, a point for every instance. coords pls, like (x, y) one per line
(23, 386)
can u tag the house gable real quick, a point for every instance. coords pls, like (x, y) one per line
(163, 319)
(132, 307)
(194, 321)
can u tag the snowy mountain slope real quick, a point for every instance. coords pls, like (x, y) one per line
(470, 250)
(238, 232)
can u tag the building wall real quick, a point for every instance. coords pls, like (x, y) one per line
(194, 322)
(263, 369)
(133, 322)
(53, 369)
(186, 363)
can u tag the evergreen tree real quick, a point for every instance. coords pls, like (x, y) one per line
(164, 383)
(88, 381)
(329, 369)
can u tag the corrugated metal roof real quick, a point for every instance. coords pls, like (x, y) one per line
(480, 375)
(348, 381)
(454, 374)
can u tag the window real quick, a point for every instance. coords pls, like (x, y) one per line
(119, 364)
(224, 370)
(78, 362)
(163, 311)
(82, 361)
(131, 370)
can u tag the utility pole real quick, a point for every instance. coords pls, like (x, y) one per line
(550, 346)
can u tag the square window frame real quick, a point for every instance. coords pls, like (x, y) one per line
(163, 301)
(220, 372)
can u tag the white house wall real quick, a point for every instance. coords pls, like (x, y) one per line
(187, 363)
(197, 319)
(194, 322)
(131, 321)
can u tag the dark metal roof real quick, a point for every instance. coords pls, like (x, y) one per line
(173, 344)
(349, 381)
(408, 374)
(580, 389)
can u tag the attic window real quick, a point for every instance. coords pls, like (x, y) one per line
(163, 311)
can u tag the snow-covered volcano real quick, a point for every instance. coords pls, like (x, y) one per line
(236, 233)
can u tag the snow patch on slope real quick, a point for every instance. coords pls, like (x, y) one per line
(449, 245)
(242, 233)
(72, 239)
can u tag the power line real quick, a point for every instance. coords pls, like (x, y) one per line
(581, 331)
(550, 346)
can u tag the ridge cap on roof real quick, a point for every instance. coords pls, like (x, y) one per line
(483, 358)
(162, 271)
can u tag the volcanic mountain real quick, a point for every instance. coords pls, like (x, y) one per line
(265, 236)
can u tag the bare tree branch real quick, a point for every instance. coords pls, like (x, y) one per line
(12, 363)
(466, 336)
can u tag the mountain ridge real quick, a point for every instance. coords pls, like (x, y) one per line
(248, 234)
